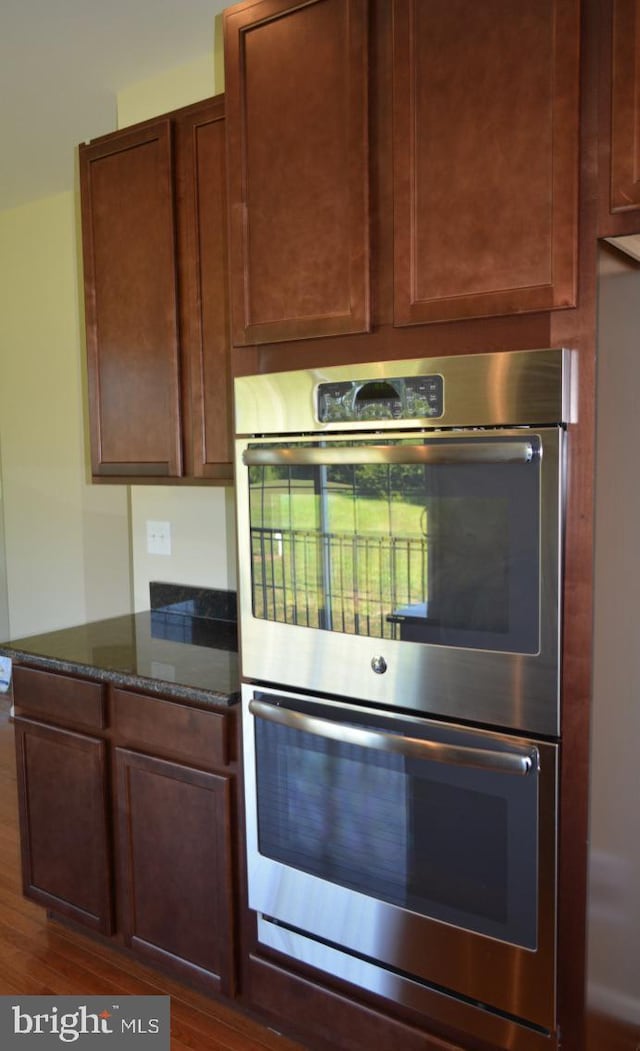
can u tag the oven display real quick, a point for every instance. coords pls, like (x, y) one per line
(410, 398)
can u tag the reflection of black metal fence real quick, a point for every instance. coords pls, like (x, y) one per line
(341, 581)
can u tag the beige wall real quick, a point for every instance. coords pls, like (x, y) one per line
(174, 88)
(77, 551)
(614, 872)
(202, 538)
(67, 542)
(4, 602)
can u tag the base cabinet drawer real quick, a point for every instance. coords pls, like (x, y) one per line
(63, 805)
(59, 698)
(166, 728)
(173, 843)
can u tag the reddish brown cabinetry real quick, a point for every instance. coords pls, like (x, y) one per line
(485, 154)
(175, 887)
(472, 179)
(154, 240)
(173, 836)
(296, 89)
(203, 289)
(620, 118)
(62, 794)
(129, 832)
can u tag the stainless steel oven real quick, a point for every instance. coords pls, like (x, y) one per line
(410, 857)
(400, 531)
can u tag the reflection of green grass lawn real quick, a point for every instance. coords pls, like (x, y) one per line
(370, 574)
(374, 515)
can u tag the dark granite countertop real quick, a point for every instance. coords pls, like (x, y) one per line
(173, 654)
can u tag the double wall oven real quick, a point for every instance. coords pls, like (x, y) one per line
(400, 544)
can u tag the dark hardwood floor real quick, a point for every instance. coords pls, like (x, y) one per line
(40, 957)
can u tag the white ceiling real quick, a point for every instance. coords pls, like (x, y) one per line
(62, 63)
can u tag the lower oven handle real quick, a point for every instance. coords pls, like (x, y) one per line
(414, 747)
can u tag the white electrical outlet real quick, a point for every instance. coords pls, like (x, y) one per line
(159, 538)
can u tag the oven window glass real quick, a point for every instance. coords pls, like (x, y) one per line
(452, 843)
(446, 554)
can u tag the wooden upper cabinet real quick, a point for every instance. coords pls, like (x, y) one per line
(485, 142)
(154, 224)
(471, 189)
(204, 294)
(625, 106)
(131, 302)
(620, 118)
(297, 152)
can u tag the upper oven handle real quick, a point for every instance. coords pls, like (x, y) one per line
(439, 452)
(414, 747)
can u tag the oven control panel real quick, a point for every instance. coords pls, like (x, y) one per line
(402, 398)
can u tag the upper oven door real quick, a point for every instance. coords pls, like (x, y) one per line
(373, 562)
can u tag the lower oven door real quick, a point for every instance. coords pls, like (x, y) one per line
(424, 848)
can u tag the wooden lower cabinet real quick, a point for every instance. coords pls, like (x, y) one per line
(332, 1020)
(174, 848)
(127, 829)
(62, 797)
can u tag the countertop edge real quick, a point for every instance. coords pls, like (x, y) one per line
(158, 687)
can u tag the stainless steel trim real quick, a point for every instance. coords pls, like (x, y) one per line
(464, 1016)
(434, 751)
(527, 387)
(449, 452)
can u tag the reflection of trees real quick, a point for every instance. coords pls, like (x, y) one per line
(394, 482)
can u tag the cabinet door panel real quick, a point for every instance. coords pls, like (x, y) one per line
(485, 157)
(625, 106)
(130, 300)
(204, 294)
(63, 819)
(175, 867)
(296, 97)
